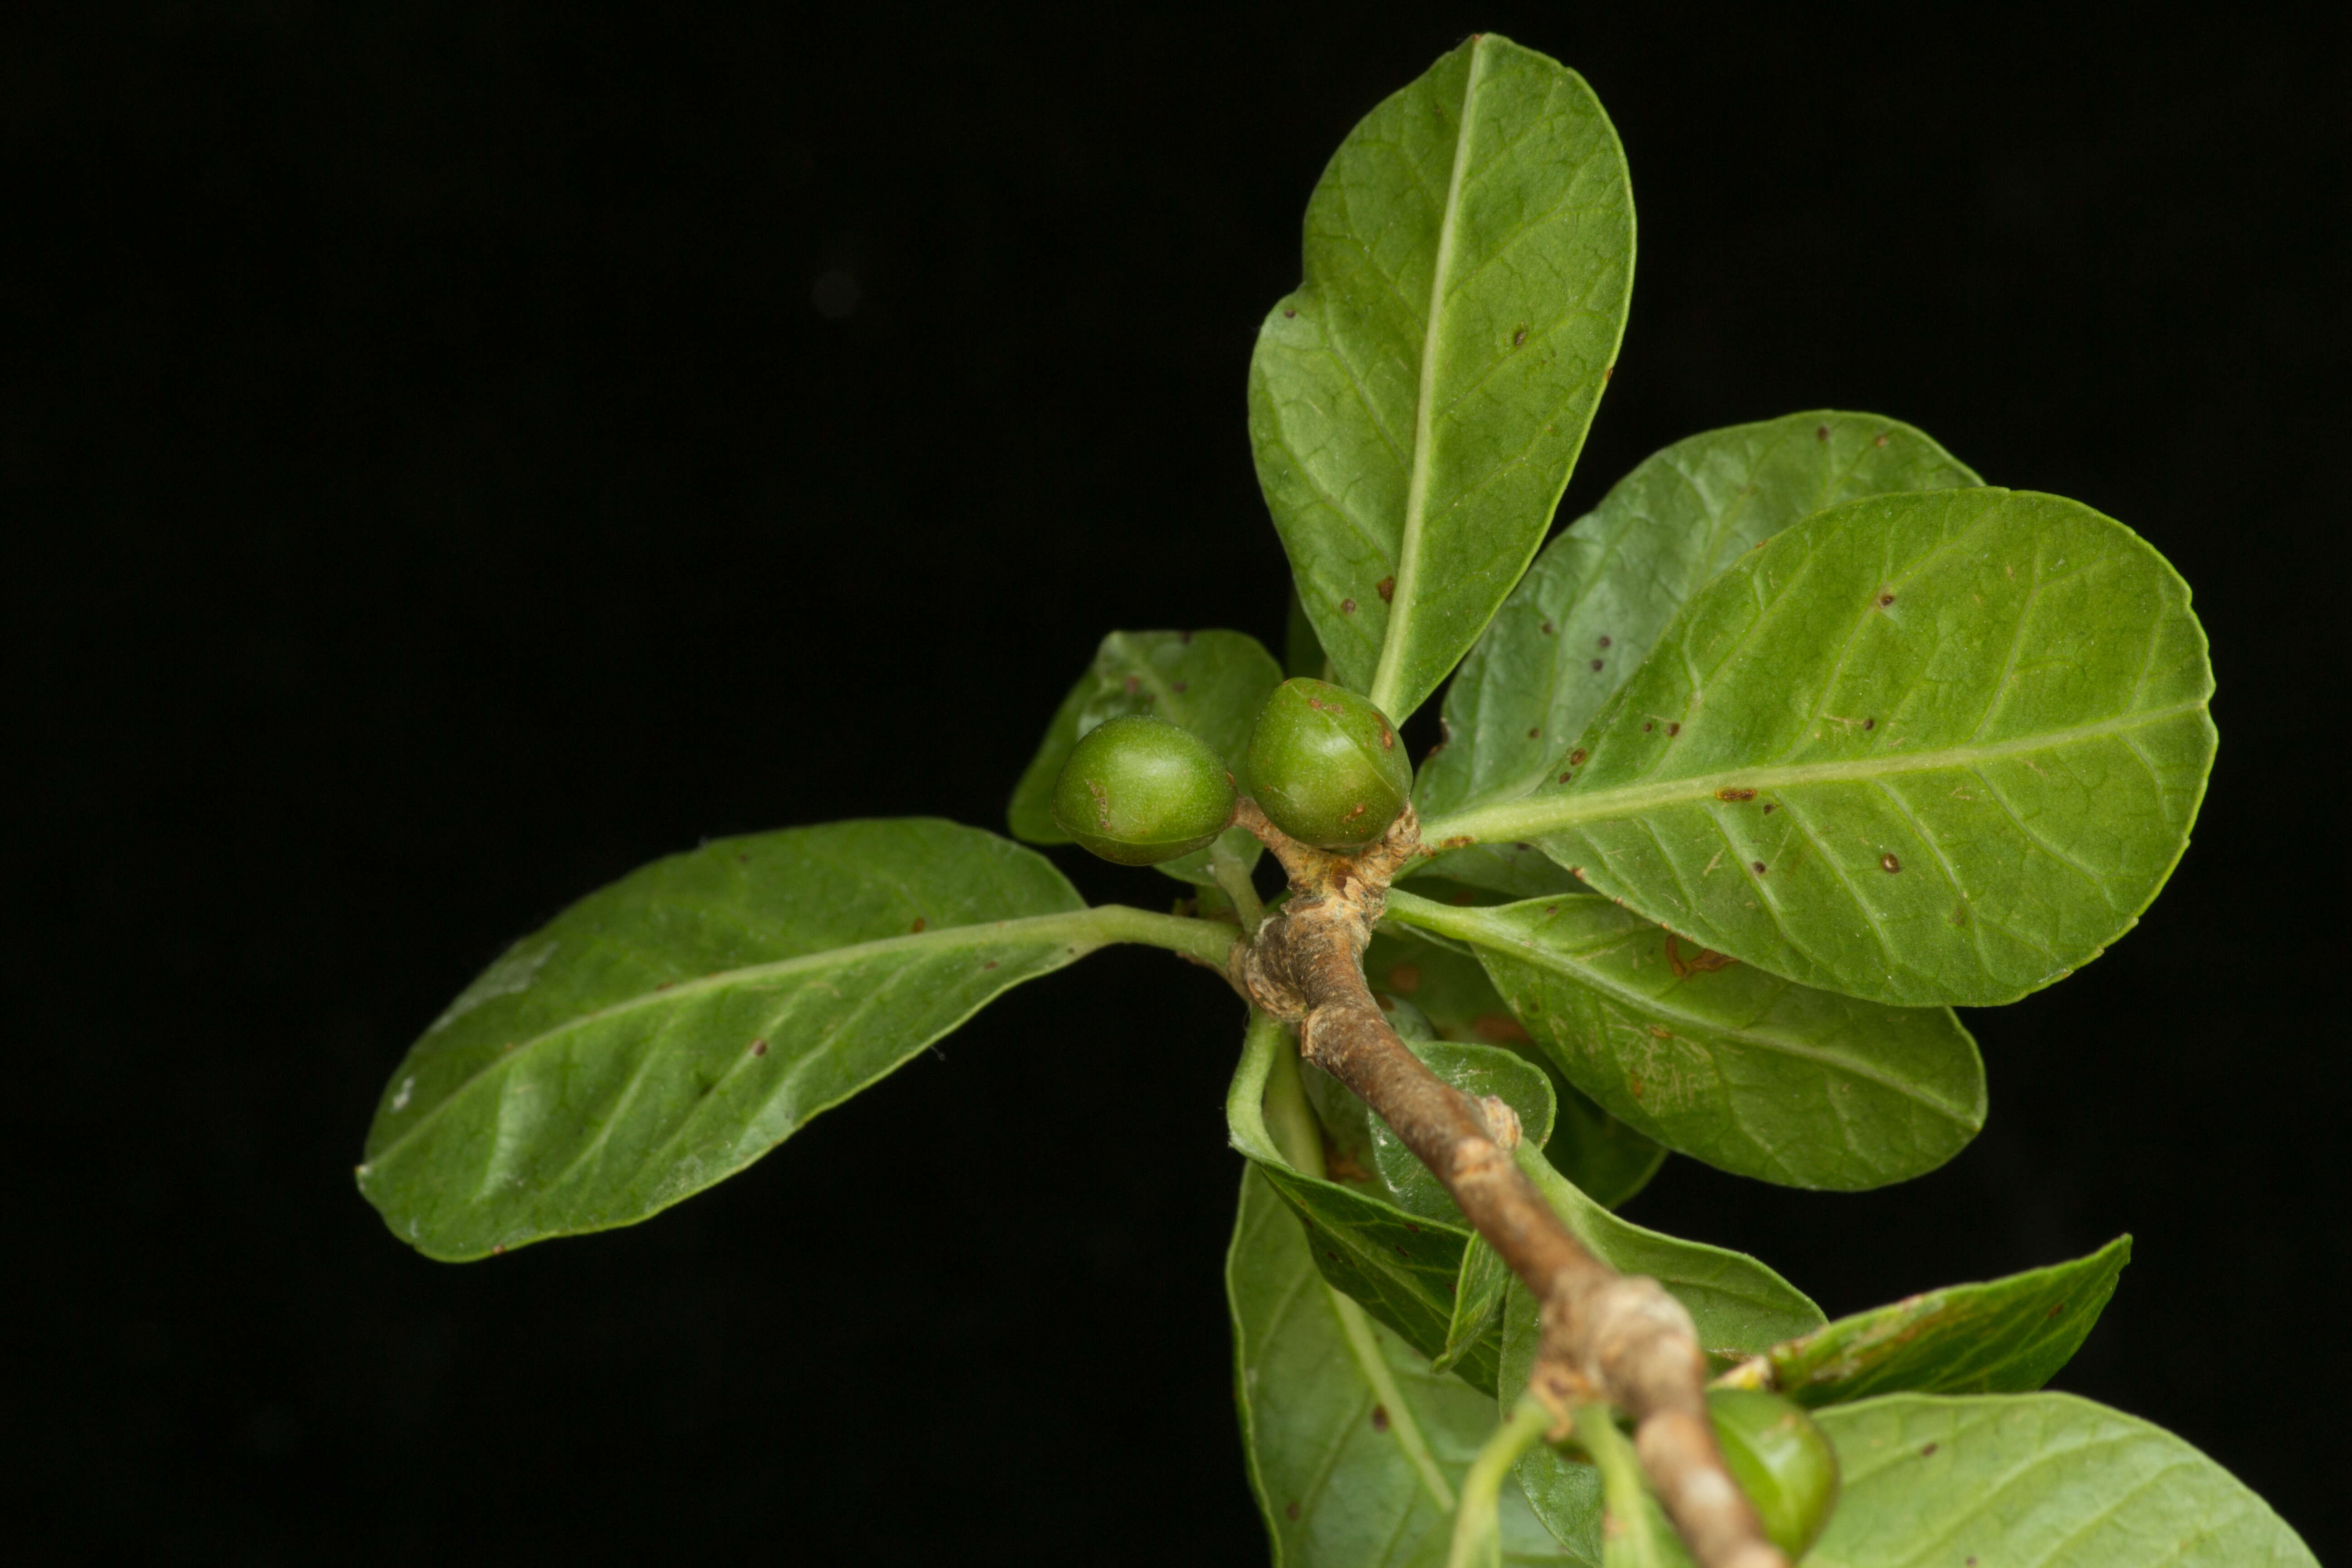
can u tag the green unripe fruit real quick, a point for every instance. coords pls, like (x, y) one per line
(1780, 1459)
(1139, 790)
(1326, 766)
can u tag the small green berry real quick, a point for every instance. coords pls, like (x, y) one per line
(1326, 766)
(1139, 790)
(1780, 1459)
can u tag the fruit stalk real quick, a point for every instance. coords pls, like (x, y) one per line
(1606, 1335)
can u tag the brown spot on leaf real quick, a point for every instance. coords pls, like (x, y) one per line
(919, 925)
(1706, 962)
(1960, 914)
(1459, 841)
(1888, 862)
(1664, 1033)
(1870, 723)
(1519, 337)
(990, 964)
(1575, 758)
(497, 1248)
(1380, 1418)
(1757, 865)
(1885, 600)
(1565, 777)
(1821, 432)
(1634, 1086)
(1727, 792)
(1346, 606)
(1547, 628)
(759, 1047)
(1533, 733)
(2057, 1308)
(1499, 1027)
(1386, 589)
(1181, 686)
(1290, 1509)
(1405, 979)
(1771, 806)
(1674, 729)
(1925, 1452)
(1646, 726)
(1294, 1507)
(1609, 370)
(1596, 666)
(664, 984)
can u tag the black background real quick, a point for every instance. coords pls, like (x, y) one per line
(431, 489)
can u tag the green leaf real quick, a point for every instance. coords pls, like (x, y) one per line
(1356, 1448)
(662, 1034)
(1211, 682)
(1601, 594)
(1924, 749)
(2005, 1336)
(1739, 1306)
(1479, 1287)
(1743, 1069)
(2036, 1480)
(1415, 408)
(1604, 1156)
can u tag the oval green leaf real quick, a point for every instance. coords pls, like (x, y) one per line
(1749, 1072)
(664, 1032)
(1416, 406)
(1601, 594)
(1924, 749)
(2035, 1481)
(1211, 682)
(2005, 1336)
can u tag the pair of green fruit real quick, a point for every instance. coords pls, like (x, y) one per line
(1323, 765)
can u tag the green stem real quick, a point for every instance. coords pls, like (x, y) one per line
(1447, 920)
(1232, 876)
(1627, 1524)
(1209, 941)
(1477, 1533)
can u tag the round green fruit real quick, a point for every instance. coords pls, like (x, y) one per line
(1782, 1461)
(1326, 766)
(1139, 790)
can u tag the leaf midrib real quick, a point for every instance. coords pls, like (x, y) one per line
(1533, 818)
(1081, 921)
(1388, 675)
(1548, 959)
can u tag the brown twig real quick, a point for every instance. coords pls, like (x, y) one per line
(1606, 1335)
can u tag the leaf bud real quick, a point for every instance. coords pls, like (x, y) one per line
(1139, 790)
(1326, 766)
(1780, 1459)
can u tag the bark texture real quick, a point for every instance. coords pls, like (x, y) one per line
(1606, 1336)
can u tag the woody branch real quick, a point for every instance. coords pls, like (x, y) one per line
(1606, 1336)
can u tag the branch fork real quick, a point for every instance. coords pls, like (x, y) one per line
(1607, 1337)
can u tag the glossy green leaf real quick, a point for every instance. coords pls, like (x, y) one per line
(2035, 1481)
(1211, 682)
(660, 1035)
(1479, 1287)
(1402, 1265)
(1515, 870)
(2004, 1336)
(1743, 1069)
(1739, 1306)
(1604, 1156)
(1356, 1448)
(1601, 594)
(1416, 406)
(1926, 749)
